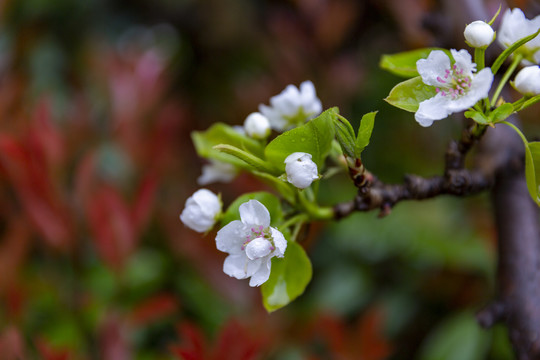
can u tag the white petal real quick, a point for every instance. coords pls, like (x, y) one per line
(231, 237)
(262, 275)
(235, 266)
(287, 102)
(258, 248)
(279, 241)
(277, 122)
(463, 61)
(208, 201)
(254, 213)
(434, 66)
(432, 109)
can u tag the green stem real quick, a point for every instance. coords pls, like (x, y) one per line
(479, 58)
(517, 59)
(529, 102)
(519, 103)
(297, 219)
(315, 211)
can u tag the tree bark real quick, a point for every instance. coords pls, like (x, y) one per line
(518, 231)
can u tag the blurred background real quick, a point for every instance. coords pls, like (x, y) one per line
(97, 102)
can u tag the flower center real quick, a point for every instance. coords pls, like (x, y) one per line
(454, 83)
(257, 233)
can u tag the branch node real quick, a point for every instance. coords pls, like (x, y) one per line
(491, 314)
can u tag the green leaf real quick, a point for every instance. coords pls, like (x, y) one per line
(315, 137)
(457, 338)
(288, 278)
(501, 113)
(532, 169)
(254, 162)
(404, 63)
(345, 135)
(220, 133)
(477, 116)
(284, 188)
(270, 201)
(506, 53)
(407, 95)
(364, 132)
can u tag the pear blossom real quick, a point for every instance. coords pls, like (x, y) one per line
(300, 169)
(201, 210)
(527, 81)
(257, 126)
(251, 244)
(217, 171)
(479, 34)
(292, 107)
(515, 26)
(458, 87)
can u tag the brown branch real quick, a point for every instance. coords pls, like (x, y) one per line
(456, 180)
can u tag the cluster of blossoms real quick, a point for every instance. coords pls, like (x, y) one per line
(251, 242)
(459, 86)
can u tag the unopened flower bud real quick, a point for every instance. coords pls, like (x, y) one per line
(300, 169)
(201, 210)
(257, 126)
(527, 81)
(479, 34)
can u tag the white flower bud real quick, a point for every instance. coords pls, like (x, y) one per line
(300, 169)
(201, 210)
(527, 81)
(257, 126)
(479, 34)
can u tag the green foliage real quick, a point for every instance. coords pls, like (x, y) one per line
(288, 279)
(458, 338)
(404, 63)
(353, 145)
(532, 169)
(407, 95)
(255, 163)
(364, 132)
(315, 137)
(499, 114)
(219, 134)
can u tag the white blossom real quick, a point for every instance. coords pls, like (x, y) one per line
(479, 34)
(527, 81)
(458, 86)
(217, 171)
(292, 107)
(251, 244)
(515, 26)
(201, 210)
(300, 169)
(257, 126)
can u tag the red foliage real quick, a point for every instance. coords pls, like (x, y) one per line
(234, 342)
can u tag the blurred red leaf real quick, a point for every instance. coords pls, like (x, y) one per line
(48, 352)
(12, 345)
(155, 308)
(234, 342)
(112, 225)
(113, 339)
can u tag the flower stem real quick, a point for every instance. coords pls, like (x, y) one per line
(506, 76)
(313, 210)
(479, 58)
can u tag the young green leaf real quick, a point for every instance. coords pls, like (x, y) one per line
(477, 116)
(501, 113)
(364, 132)
(315, 138)
(404, 63)
(270, 201)
(407, 95)
(220, 133)
(345, 135)
(532, 169)
(288, 278)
